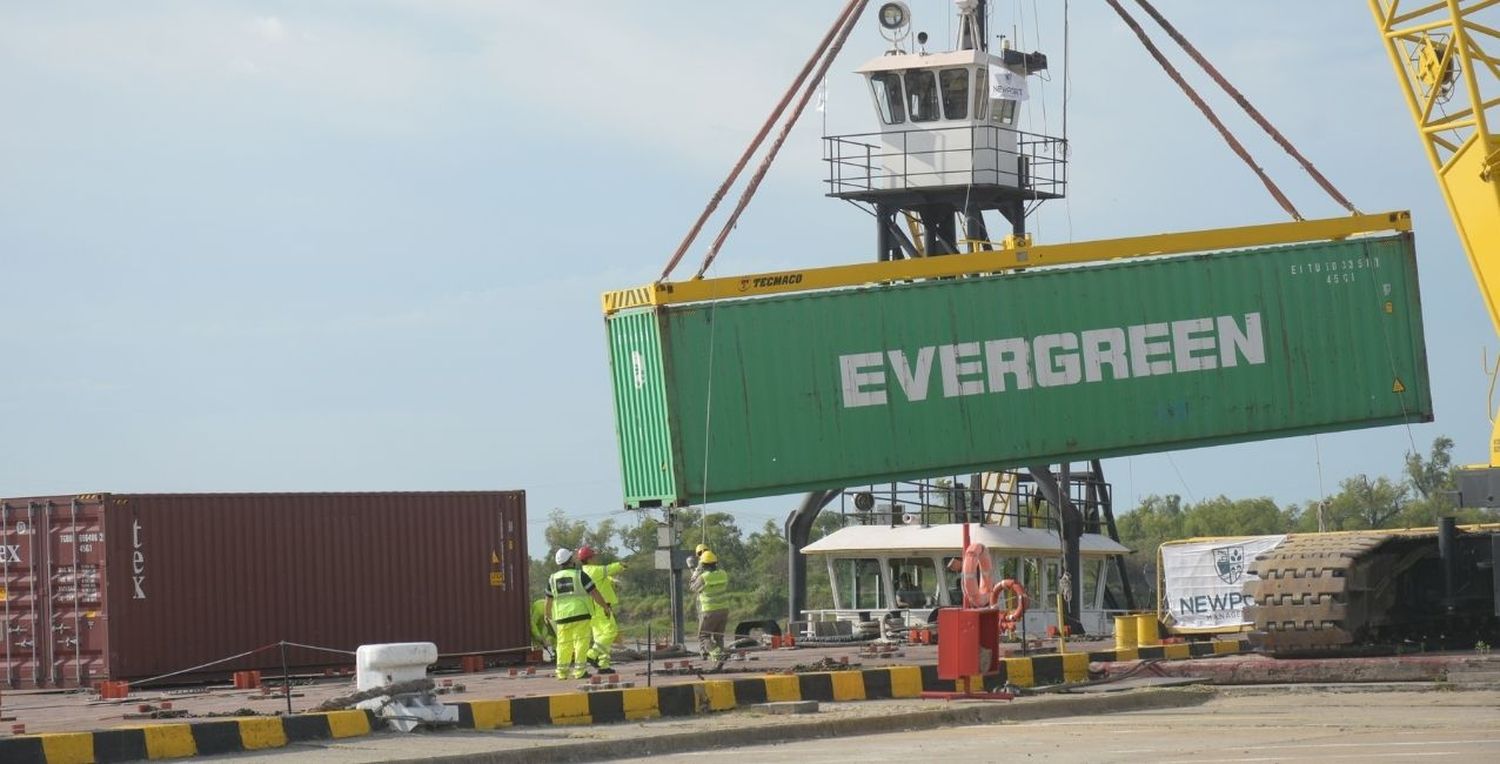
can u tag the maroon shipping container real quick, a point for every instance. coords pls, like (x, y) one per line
(133, 586)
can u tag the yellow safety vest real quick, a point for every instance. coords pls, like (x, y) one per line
(600, 575)
(715, 585)
(569, 601)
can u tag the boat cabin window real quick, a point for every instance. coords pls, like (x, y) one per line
(1095, 577)
(955, 84)
(922, 95)
(868, 589)
(953, 568)
(916, 584)
(888, 101)
(1050, 572)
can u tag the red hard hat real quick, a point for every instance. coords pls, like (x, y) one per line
(585, 553)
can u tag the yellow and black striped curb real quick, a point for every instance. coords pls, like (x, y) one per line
(166, 741)
(1177, 652)
(173, 741)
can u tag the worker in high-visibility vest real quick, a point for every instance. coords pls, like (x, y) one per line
(543, 637)
(712, 587)
(602, 622)
(570, 596)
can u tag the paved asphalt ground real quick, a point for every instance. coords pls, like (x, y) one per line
(1385, 723)
(1289, 727)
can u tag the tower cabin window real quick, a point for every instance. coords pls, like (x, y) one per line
(922, 95)
(1001, 110)
(955, 84)
(888, 101)
(981, 94)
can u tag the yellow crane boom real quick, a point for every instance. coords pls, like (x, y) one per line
(1439, 52)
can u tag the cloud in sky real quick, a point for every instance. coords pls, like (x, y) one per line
(271, 29)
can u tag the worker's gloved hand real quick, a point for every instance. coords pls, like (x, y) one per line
(692, 562)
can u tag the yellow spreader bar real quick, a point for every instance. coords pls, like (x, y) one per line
(1005, 257)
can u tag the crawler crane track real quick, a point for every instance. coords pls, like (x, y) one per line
(1316, 594)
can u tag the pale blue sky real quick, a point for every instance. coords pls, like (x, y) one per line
(360, 246)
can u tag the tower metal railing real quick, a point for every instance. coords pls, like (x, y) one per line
(982, 155)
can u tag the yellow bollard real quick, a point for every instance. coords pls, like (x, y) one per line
(1146, 631)
(1124, 632)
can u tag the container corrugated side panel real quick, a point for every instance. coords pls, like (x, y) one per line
(197, 578)
(1340, 325)
(648, 465)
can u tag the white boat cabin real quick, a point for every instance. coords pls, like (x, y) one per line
(896, 576)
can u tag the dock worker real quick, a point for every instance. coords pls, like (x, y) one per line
(694, 562)
(570, 595)
(602, 620)
(711, 586)
(543, 637)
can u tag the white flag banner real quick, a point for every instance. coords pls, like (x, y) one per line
(1006, 84)
(822, 95)
(1205, 581)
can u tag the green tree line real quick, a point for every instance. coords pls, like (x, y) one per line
(1425, 491)
(757, 561)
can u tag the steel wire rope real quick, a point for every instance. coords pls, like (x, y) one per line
(1046, 74)
(284, 643)
(1322, 494)
(208, 664)
(1390, 356)
(968, 188)
(1207, 111)
(1067, 81)
(321, 649)
(1248, 107)
(1180, 478)
(1044, 77)
(843, 20)
(839, 32)
(848, 22)
(708, 410)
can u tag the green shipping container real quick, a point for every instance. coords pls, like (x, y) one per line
(773, 395)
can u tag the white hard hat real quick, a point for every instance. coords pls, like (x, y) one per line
(563, 556)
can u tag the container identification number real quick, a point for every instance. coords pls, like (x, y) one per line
(1335, 272)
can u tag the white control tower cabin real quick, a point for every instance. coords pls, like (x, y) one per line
(948, 148)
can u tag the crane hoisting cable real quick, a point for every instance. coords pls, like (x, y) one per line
(1245, 104)
(786, 129)
(1213, 118)
(844, 21)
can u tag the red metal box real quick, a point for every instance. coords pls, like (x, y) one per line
(968, 642)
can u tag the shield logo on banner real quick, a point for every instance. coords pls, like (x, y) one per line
(1229, 561)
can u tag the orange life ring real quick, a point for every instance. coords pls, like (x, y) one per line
(997, 596)
(976, 576)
